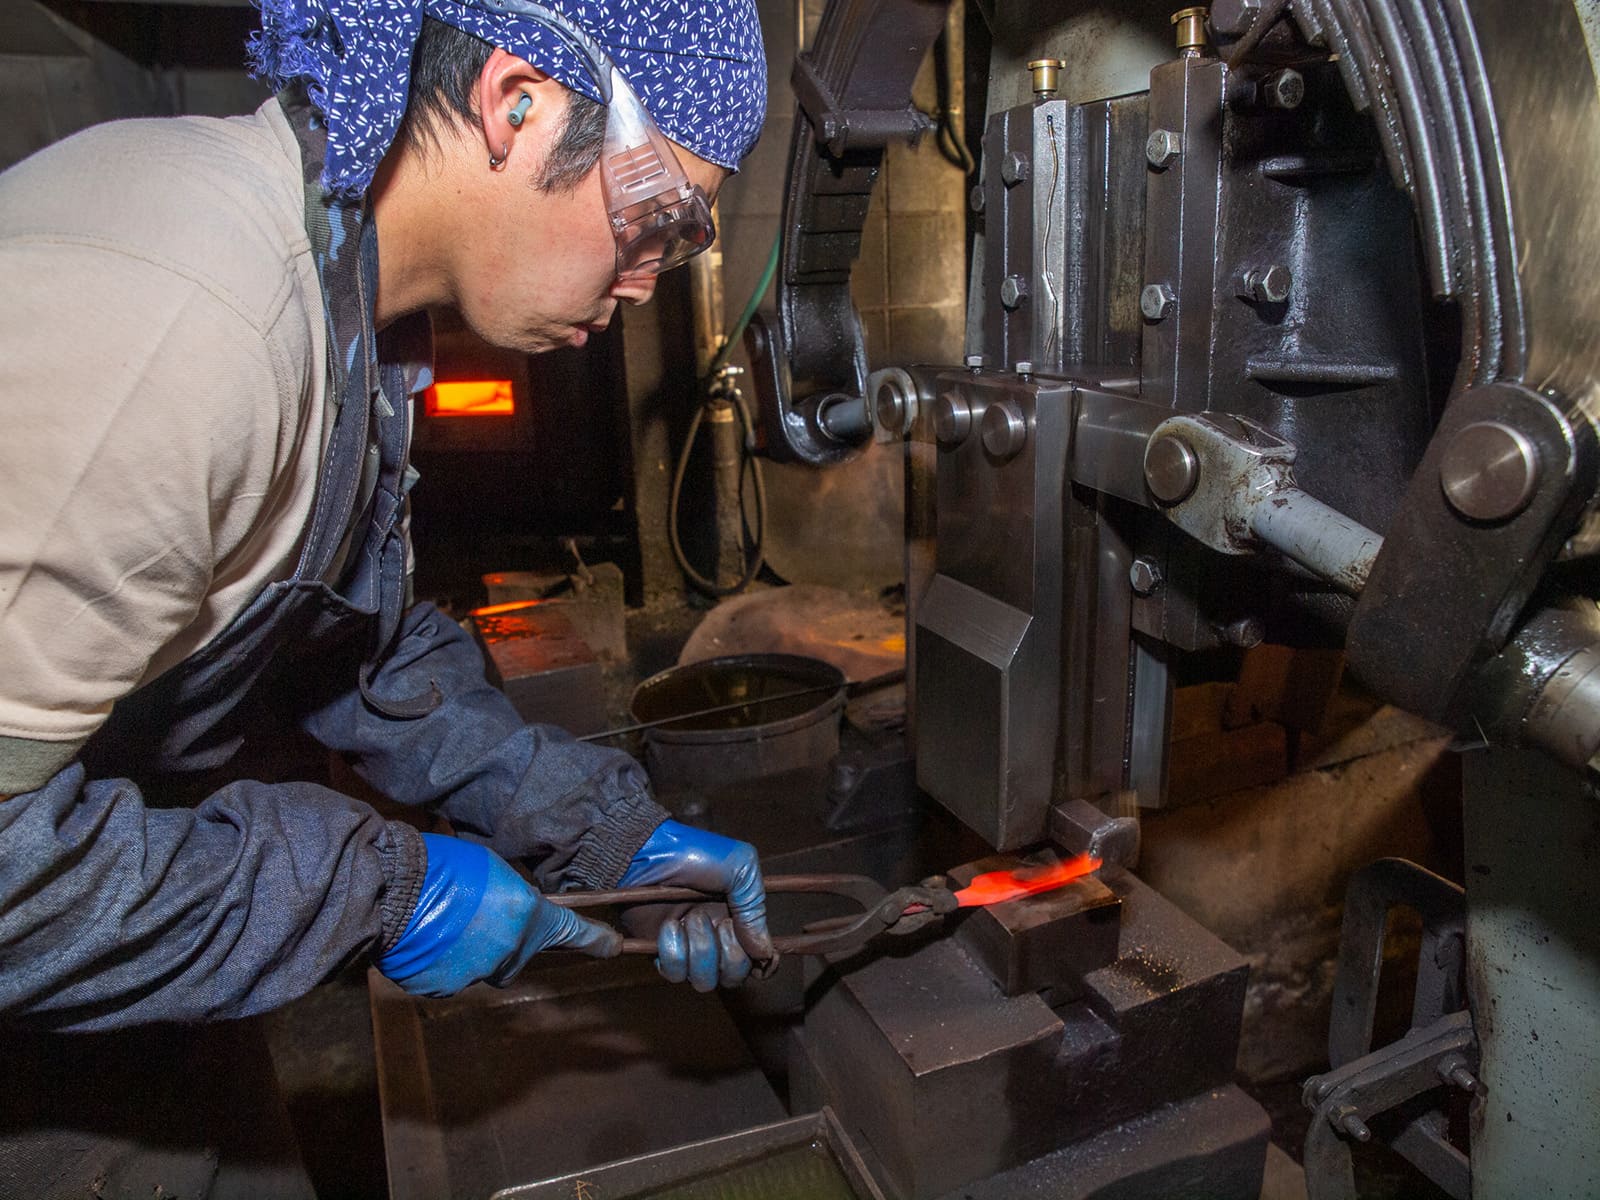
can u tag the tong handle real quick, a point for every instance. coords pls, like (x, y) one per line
(880, 911)
(852, 887)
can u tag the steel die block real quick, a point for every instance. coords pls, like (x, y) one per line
(1050, 940)
(942, 1080)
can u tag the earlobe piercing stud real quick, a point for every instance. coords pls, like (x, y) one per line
(516, 115)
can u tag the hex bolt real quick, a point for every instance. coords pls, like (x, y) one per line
(1157, 301)
(1161, 147)
(1013, 290)
(1144, 576)
(1170, 469)
(1013, 168)
(973, 362)
(1283, 89)
(1266, 285)
(1233, 18)
(830, 128)
(1464, 1079)
(1489, 471)
(975, 198)
(1349, 1121)
(1246, 632)
(1023, 367)
(1453, 1070)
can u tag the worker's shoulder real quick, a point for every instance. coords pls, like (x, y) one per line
(217, 202)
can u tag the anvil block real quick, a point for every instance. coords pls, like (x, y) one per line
(941, 1077)
(943, 1080)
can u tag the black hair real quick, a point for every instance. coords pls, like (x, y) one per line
(444, 78)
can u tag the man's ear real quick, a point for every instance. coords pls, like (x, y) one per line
(502, 85)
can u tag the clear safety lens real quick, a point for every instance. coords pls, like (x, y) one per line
(664, 234)
(659, 218)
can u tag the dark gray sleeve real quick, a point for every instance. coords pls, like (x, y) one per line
(575, 813)
(115, 913)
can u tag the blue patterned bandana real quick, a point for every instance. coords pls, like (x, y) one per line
(697, 65)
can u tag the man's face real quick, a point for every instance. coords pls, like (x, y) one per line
(538, 270)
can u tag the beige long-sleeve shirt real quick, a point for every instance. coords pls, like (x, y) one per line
(162, 394)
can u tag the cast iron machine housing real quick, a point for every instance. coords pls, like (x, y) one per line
(1301, 342)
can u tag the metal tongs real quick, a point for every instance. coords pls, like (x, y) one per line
(902, 911)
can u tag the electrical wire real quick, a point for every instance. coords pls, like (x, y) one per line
(747, 460)
(950, 137)
(1048, 251)
(719, 390)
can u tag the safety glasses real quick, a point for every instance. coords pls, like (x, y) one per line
(659, 219)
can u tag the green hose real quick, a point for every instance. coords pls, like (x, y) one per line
(737, 332)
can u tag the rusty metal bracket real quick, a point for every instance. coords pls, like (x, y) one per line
(1477, 573)
(841, 129)
(1439, 1050)
(1344, 1100)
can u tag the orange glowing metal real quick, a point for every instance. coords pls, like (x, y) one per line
(994, 887)
(470, 398)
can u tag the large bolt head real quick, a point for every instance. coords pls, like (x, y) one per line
(1246, 632)
(1489, 471)
(1013, 290)
(1233, 18)
(1170, 469)
(952, 418)
(1013, 168)
(1266, 285)
(1162, 147)
(1156, 301)
(1144, 577)
(1005, 429)
(889, 406)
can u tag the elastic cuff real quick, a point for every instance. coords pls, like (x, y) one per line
(404, 858)
(609, 847)
(27, 764)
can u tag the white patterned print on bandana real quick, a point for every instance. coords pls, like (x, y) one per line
(698, 66)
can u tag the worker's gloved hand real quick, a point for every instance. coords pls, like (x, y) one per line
(477, 920)
(705, 944)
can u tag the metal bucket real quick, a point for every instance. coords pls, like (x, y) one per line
(708, 753)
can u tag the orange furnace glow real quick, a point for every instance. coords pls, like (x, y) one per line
(469, 398)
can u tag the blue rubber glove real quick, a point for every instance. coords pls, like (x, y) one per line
(695, 945)
(477, 920)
